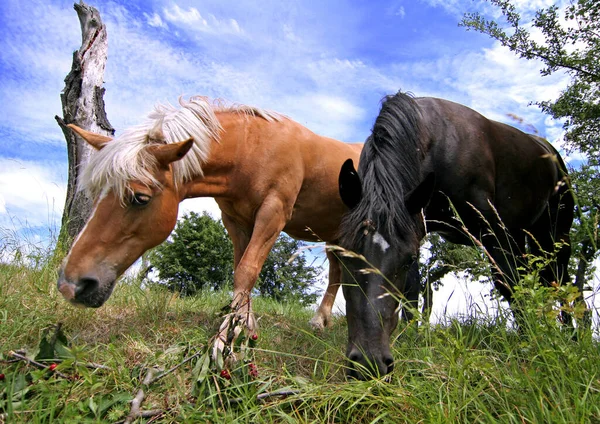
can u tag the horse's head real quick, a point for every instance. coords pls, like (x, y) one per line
(375, 273)
(128, 218)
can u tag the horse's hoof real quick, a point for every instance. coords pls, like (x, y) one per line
(319, 322)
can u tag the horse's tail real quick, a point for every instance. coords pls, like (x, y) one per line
(561, 210)
(563, 172)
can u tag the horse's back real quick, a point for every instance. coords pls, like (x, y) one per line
(285, 160)
(478, 160)
(318, 205)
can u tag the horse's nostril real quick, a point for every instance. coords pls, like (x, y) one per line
(389, 363)
(354, 356)
(85, 286)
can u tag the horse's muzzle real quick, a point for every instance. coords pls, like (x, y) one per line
(86, 291)
(361, 367)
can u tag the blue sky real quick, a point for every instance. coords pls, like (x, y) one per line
(325, 64)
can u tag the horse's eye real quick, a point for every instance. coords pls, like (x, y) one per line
(140, 199)
(413, 259)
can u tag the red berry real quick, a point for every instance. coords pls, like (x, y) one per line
(255, 337)
(2, 377)
(52, 367)
(253, 370)
(225, 374)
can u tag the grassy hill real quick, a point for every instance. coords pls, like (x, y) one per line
(466, 371)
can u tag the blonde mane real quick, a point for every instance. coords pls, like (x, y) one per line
(126, 158)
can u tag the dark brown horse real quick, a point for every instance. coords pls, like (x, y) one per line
(427, 162)
(266, 172)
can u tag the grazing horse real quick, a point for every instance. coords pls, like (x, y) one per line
(266, 172)
(434, 165)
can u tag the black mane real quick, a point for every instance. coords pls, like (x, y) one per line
(390, 167)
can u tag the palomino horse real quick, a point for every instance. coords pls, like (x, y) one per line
(426, 162)
(266, 172)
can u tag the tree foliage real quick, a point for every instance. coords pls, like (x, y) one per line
(448, 258)
(283, 280)
(445, 258)
(584, 237)
(569, 43)
(199, 255)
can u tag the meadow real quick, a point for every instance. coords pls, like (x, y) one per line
(91, 363)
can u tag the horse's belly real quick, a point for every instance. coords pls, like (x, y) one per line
(315, 224)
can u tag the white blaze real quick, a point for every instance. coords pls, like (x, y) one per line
(381, 242)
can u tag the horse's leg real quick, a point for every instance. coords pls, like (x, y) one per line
(562, 209)
(505, 249)
(240, 237)
(412, 289)
(270, 219)
(427, 291)
(550, 234)
(322, 317)
(542, 245)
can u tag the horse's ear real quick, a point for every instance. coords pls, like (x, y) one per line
(349, 184)
(167, 153)
(97, 141)
(156, 134)
(421, 195)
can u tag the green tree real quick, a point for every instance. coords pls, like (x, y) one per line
(572, 45)
(586, 184)
(445, 258)
(199, 254)
(569, 44)
(283, 280)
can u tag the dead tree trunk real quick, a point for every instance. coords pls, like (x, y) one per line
(83, 104)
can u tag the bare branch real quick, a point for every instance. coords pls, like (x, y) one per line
(136, 403)
(159, 376)
(37, 364)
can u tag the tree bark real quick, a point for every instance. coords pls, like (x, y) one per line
(83, 105)
(432, 278)
(587, 255)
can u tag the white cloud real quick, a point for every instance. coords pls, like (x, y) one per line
(501, 84)
(144, 70)
(526, 8)
(283, 66)
(199, 205)
(189, 17)
(331, 116)
(36, 57)
(31, 191)
(534, 5)
(458, 7)
(493, 81)
(339, 108)
(155, 20)
(192, 19)
(289, 33)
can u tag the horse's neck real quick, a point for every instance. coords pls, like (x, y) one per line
(217, 170)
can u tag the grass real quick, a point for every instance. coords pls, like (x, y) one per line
(468, 370)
